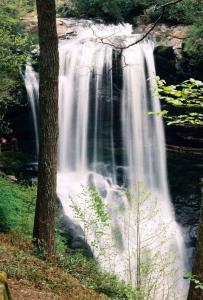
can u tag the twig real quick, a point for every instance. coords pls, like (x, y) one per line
(162, 7)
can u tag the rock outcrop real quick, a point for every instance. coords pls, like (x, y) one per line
(169, 36)
(64, 26)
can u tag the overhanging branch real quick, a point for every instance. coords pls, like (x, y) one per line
(163, 9)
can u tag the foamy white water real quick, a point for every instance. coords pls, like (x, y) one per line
(32, 88)
(141, 240)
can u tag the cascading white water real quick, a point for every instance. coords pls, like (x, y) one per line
(32, 88)
(142, 242)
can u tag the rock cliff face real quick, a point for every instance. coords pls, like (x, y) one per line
(169, 45)
(169, 36)
(64, 26)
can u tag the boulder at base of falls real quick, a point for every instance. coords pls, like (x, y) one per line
(72, 233)
(74, 236)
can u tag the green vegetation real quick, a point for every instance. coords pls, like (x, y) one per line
(116, 10)
(28, 272)
(124, 10)
(193, 49)
(11, 162)
(16, 213)
(175, 14)
(182, 103)
(91, 276)
(15, 45)
(197, 282)
(16, 206)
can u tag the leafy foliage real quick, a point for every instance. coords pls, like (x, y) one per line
(194, 41)
(94, 218)
(175, 14)
(187, 96)
(194, 278)
(116, 10)
(14, 50)
(12, 162)
(189, 93)
(89, 274)
(193, 49)
(16, 206)
(120, 10)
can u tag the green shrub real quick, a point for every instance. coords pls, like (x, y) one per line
(116, 10)
(16, 206)
(182, 103)
(174, 14)
(89, 274)
(12, 162)
(15, 45)
(193, 50)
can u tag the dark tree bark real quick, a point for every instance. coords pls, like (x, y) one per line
(44, 223)
(197, 294)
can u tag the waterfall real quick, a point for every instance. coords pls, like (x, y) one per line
(108, 140)
(32, 88)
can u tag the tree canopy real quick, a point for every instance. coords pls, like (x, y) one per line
(15, 45)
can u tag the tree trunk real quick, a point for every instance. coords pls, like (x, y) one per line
(44, 223)
(4, 289)
(197, 294)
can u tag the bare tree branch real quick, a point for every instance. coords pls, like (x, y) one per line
(170, 3)
(163, 7)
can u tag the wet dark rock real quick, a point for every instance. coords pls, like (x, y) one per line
(31, 167)
(28, 173)
(74, 236)
(165, 60)
(185, 169)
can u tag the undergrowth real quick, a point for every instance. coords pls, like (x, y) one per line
(16, 206)
(20, 260)
(89, 274)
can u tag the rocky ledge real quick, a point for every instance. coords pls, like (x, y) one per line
(171, 36)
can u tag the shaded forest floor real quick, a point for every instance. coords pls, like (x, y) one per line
(33, 278)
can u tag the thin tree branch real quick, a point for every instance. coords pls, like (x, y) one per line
(170, 3)
(163, 9)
